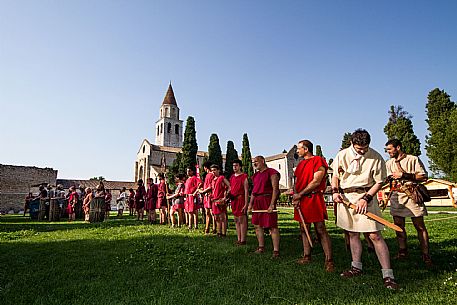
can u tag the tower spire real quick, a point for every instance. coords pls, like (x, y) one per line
(169, 98)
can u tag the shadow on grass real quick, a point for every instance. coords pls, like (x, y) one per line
(167, 266)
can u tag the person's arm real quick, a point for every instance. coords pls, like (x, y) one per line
(335, 189)
(246, 195)
(317, 179)
(274, 197)
(228, 188)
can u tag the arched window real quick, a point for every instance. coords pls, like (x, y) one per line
(161, 127)
(279, 166)
(157, 130)
(140, 176)
(144, 148)
(172, 112)
(169, 128)
(161, 113)
(176, 129)
(166, 112)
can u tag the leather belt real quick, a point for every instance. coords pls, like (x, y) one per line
(356, 190)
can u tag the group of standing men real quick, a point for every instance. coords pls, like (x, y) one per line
(359, 173)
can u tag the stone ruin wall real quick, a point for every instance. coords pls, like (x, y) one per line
(17, 181)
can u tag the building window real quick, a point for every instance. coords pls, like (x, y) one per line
(161, 127)
(279, 166)
(173, 112)
(176, 129)
(157, 130)
(166, 112)
(169, 128)
(161, 113)
(144, 148)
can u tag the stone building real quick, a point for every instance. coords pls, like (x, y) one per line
(17, 181)
(152, 159)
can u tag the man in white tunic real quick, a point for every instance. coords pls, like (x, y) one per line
(359, 173)
(406, 171)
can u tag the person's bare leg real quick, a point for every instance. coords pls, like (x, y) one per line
(402, 238)
(326, 243)
(243, 227)
(238, 228)
(382, 251)
(260, 236)
(306, 245)
(356, 247)
(275, 238)
(224, 224)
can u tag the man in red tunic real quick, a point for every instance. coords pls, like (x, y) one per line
(140, 196)
(151, 201)
(191, 204)
(161, 198)
(265, 193)
(220, 188)
(308, 196)
(206, 192)
(239, 195)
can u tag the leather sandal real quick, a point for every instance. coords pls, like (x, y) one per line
(402, 254)
(259, 250)
(390, 283)
(275, 254)
(353, 272)
(329, 266)
(306, 259)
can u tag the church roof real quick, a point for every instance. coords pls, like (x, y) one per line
(169, 98)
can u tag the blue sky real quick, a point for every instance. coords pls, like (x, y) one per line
(81, 82)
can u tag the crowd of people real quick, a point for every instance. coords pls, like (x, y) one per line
(359, 173)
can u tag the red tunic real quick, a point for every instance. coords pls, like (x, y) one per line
(218, 193)
(207, 196)
(191, 203)
(151, 197)
(72, 200)
(312, 206)
(237, 191)
(132, 200)
(262, 192)
(108, 198)
(162, 195)
(140, 194)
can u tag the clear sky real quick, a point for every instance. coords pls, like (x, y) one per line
(81, 82)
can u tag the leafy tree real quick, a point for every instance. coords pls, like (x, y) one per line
(400, 127)
(284, 151)
(230, 155)
(247, 157)
(189, 147)
(346, 142)
(441, 142)
(214, 151)
(99, 178)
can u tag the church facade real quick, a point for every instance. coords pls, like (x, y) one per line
(152, 159)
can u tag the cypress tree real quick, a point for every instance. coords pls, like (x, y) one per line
(400, 127)
(346, 142)
(247, 157)
(230, 155)
(174, 169)
(189, 147)
(440, 142)
(214, 151)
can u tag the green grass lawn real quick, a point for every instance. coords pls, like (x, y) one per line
(123, 261)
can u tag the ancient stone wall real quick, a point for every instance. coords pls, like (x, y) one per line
(17, 181)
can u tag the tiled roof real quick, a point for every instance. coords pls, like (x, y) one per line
(112, 185)
(169, 98)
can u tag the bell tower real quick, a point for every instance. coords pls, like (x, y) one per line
(169, 130)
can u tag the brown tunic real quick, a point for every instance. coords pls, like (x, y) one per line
(400, 204)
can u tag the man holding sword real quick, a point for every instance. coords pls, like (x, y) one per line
(308, 200)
